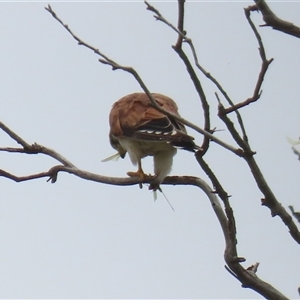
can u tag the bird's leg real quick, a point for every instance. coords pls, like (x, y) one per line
(139, 173)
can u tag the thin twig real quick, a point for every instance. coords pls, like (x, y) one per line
(14, 136)
(32, 149)
(264, 67)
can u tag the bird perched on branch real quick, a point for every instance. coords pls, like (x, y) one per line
(141, 130)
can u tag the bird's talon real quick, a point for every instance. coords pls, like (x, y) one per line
(154, 187)
(139, 174)
(132, 174)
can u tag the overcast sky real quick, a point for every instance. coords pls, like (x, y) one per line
(81, 239)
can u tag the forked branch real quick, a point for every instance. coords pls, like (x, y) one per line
(182, 37)
(269, 199)
(272, 20)
(264, 67)
(69, 167)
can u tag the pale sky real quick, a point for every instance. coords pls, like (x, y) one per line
(81, 239)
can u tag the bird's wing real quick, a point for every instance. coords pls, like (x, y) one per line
(134, 117)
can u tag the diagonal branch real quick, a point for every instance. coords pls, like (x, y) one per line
(269, 199)
(247, 277)
(272, 20)
(197, 84)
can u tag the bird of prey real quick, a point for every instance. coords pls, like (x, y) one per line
(141, 130)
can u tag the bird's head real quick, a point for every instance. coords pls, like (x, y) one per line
(116, 145)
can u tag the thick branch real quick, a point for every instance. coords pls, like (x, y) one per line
(247, 277)
(271, 201)
(227, 223)
(269, 198)
(272, 20)
(231, 234)
(180, 24)
(201, 94)
(52, 175)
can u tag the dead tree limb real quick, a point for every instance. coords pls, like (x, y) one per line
(273, 21)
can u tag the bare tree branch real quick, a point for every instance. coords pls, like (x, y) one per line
(178, 49)
(180, 23)
(116, 66)
(52, 174)
(272, 20)
(31, 149)
(230, 255)
(225, 215)
(170, 180)
(264, 67)
(269, 198)
(68, 167)
(182, 37)
(247, 277)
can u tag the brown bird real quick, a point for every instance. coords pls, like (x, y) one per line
(141, 130)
